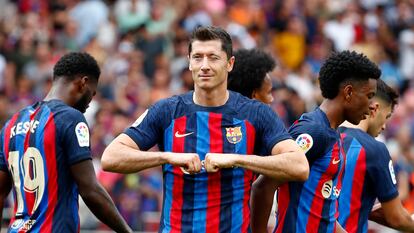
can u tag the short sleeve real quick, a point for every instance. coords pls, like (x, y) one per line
(381, 169)
(273, 129)
(310, 138)
(76, 137)
(146, 131)
(3, 164)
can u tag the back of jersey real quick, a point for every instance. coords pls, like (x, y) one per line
(45, 197)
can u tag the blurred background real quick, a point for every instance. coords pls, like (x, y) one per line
(142, 45)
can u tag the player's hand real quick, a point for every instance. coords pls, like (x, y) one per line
(214, 162)
(189, 162)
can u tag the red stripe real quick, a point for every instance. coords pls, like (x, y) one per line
(248, 176)
(7, 133)
(357, 188)
(283, 204)
(6, 142)
(30, 196)
(178, 183)
(213, 183)
(315, 214)
(50, 155)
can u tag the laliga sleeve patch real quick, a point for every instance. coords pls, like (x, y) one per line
(82, 134)
(140, 119)
(305, 142)
(392, 173)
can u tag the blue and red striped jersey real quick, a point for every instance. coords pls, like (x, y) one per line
(369, 174)
(208, 202)
(38, 146)
(311, 206)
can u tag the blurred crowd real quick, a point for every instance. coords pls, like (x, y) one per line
(142, 46)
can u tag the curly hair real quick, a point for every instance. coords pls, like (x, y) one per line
(386, 93)
(344, 67)
(212, 33)
(74, 64)
(249, 71)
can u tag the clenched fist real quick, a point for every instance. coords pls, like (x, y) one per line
(214, 162)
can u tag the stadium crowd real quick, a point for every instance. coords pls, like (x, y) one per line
(141, 47)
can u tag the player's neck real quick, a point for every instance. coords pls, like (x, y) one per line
(363, 125)
(58, 92)
(333, 112)
(210, 98)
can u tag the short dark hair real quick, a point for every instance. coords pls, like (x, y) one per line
(343, 67)
(74, 64)
(386, 93)
(249, 71)
(212, 33)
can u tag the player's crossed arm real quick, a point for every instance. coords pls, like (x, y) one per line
(124, 156)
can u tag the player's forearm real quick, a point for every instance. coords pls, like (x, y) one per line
(290, 166)
(261, 202)
(398, 219)
(102, 206)
(123, 159)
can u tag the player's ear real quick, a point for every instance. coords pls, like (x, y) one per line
(230, 64)
(189, 63)
(374, 107)
(82, 83)
(347, 91)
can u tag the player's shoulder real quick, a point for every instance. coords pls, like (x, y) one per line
(242, 104)
(64, 113)
(313, 123)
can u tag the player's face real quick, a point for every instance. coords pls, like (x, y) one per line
(209, 64)
(264, 93)
(361, 102)
(377, 124)
(89, 92)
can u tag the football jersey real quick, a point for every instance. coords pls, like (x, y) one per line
(311, 206)
(369, 174)
(38, 146)
(208, 202)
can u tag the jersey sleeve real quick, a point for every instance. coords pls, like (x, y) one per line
(3, 164)
(310, 138)
(76, 137)
(273, 129)
(146, 131)
(382, 169)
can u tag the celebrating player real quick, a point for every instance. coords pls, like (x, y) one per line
(348, 82)
(45, 155)
(369, 172)
(211, 142)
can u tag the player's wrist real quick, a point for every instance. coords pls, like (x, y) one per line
(164, 157)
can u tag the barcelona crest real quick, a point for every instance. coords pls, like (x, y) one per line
(234, 135)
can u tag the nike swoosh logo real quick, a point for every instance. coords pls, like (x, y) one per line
(178, 135)
(336, 161)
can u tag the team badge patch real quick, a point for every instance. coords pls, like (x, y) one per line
(305, 142)
(392, 173)
(82, 134)
(234, 134)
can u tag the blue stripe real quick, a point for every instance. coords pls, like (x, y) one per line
(309, 191)
(165, 225)
(201, 185)
(238, 182)
(346, 192)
